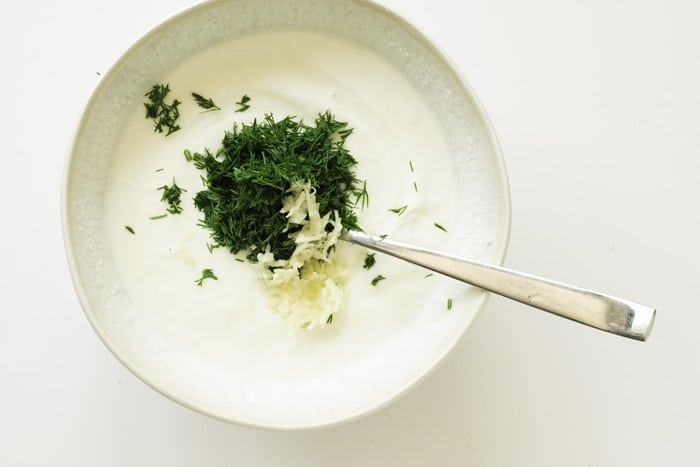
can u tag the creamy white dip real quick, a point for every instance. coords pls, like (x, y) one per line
(285, 72)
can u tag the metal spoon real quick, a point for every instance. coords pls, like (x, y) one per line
(615, 315)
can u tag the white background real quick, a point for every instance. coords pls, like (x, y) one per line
(597, 106)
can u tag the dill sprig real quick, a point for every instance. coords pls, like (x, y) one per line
(449, 304)
(248, 177)
(205, 102)
(369, 261)
(164, 115)
(171, 195)
(243, 104)
(130, 229)
(363, 196)
(440, 227)
(399, 211)
(377, 279)
(206, 274)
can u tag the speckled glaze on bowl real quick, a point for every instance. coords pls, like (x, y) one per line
(358, 387)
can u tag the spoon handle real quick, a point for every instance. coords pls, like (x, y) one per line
(615, 315)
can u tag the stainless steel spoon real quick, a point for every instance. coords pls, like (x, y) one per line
(615, 315)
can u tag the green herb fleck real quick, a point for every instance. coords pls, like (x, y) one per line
(206, 274)
(415, 186)
(130, 229)
(164, 115)
(430, 274)
(410, 163)
(188, 155)
(383, 236)
(153, 218)
(369, 260)
(376, 280)
(330, 319)
(400, 210)
(363, 196)
(171, 195)
(243, 103)
(449, 304)
(440, 227)
(159, 170)
(247, 179)
(206, 103)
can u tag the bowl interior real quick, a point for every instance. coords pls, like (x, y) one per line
(295, 381)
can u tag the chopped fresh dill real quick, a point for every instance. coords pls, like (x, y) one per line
(164, 115)
(188, 155)
(440, 227)
(247, 179)
(159, 170)
(377, 279)
(330, 319)
(369, 261)
(400, 210)
(243, 104)
(449, 304)
(415, 186)
(130, 229)
(161, 216)
(410, 163)
(171, 195)
(363, 196)
(206, 103)
(211, 247)
(430, 274)
(383, 236)
(206, 274)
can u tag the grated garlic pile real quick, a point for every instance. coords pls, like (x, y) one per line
(309, 287)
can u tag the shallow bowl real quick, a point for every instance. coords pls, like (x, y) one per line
(251, 369)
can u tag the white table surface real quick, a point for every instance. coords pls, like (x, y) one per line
(597, 106)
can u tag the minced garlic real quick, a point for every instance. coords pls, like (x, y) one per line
(308, 288)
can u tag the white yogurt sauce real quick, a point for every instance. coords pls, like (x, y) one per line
(285, 72)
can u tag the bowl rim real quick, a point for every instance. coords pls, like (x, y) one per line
(506, 217)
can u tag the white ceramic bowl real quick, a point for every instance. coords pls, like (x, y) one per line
(297, 381)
